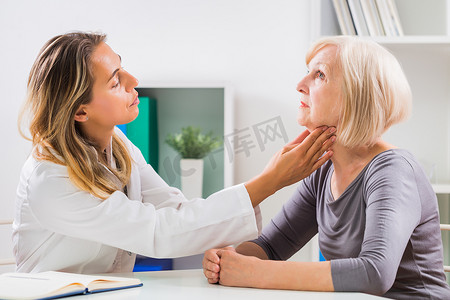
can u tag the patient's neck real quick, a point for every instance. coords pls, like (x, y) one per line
(349, 162)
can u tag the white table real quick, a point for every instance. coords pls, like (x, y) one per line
(191, 284)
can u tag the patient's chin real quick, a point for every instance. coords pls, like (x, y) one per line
(307, 125)
(301, 121)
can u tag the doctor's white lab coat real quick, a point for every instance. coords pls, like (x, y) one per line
(60, 227)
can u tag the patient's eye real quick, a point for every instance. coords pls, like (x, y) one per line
(320, 74)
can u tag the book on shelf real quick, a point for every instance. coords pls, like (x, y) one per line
(123, 128)
(153, 149)
(368, 17)
(143, 131)
(138, 130)
(344, 17)
(389, 17)
(372, 17)
(358, 17)
(393, 12)
(51, 284)
(384, 17)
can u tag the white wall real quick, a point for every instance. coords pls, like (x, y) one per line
(257, 45)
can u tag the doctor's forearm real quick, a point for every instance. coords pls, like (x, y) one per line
(259, 188)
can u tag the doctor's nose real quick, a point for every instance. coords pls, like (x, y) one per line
(131, 83)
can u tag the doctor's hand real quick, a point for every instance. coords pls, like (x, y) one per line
(295, 161)
(299, 158)
(211, 264)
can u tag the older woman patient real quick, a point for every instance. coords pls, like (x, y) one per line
(372, 205)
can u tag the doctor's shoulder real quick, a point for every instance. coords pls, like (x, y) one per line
(38, 173)
(36, 167)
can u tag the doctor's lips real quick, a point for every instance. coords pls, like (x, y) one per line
(136, 101)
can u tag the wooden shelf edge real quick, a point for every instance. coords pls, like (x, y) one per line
(6, 221)
(441, 188)
(7, 261)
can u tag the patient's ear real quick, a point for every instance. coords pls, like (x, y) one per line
(81, 114)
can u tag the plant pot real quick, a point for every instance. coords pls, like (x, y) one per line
(191, 177)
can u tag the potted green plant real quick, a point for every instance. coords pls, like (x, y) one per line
(191, 143)
(192, 146)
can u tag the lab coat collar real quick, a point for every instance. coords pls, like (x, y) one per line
(109, 155)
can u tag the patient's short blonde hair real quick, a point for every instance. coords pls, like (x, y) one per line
(375, 91)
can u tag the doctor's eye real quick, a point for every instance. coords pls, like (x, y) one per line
(116, 84)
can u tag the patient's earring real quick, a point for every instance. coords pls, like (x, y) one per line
(87, 118)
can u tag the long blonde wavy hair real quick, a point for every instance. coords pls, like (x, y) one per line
(60, 81)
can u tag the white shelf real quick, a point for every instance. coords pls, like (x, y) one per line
(441, 188)
(423, 23)
(417, 40)
(414, 40)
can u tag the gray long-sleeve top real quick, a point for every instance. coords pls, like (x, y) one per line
(381, 235)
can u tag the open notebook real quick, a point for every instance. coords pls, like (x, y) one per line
(49, 285)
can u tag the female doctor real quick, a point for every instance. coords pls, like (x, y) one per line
(87, 201)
